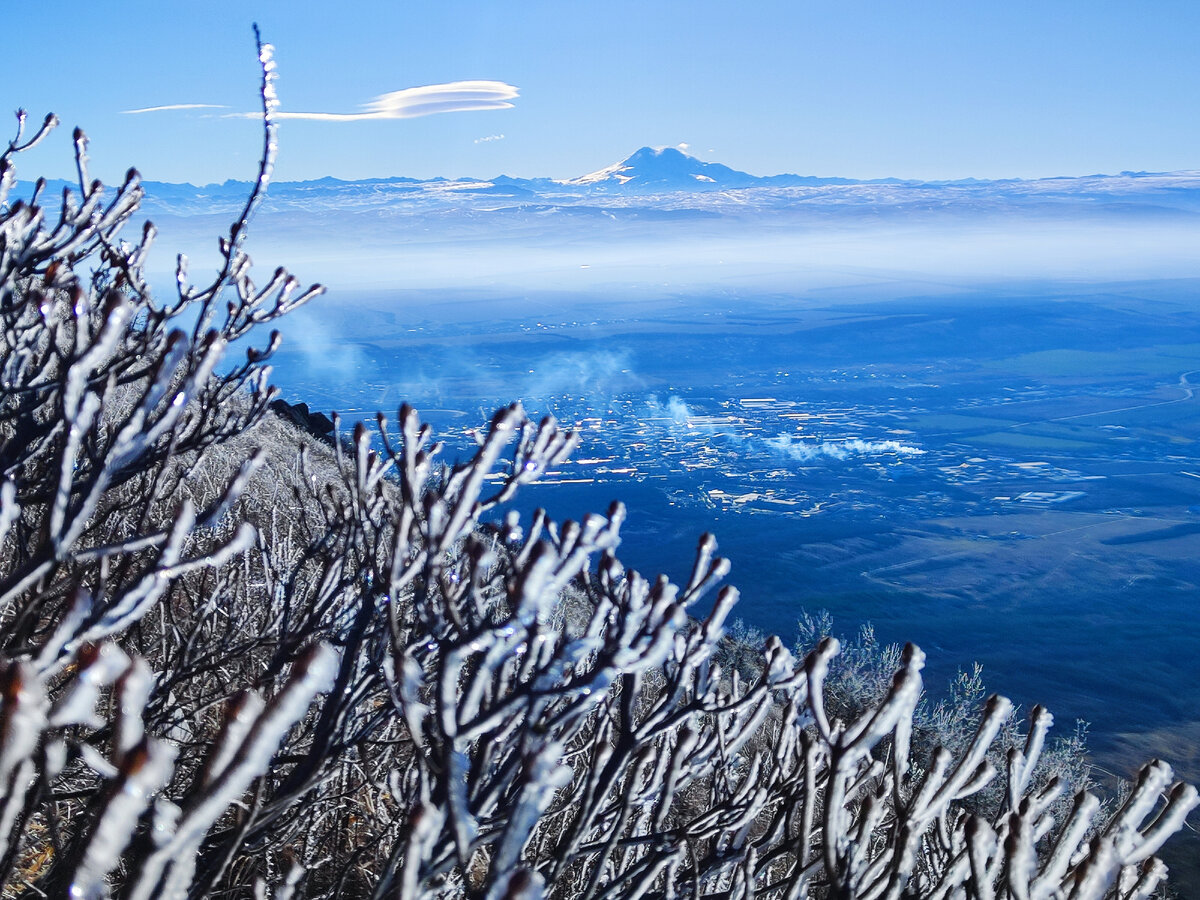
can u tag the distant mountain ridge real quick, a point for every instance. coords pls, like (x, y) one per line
(654, 168)
(653, 181)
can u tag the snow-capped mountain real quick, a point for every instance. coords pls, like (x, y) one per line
(665, 169)
(670, 169)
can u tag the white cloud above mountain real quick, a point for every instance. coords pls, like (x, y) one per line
(409, 103)
(426, 100)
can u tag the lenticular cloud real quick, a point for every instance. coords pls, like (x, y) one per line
(171, 106)
(427, 100)
(798, 450)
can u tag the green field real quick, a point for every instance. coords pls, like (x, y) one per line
(1027, 441)
(1160, 361)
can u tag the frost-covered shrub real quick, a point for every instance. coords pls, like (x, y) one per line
(862, 678)
(109, 401)
(234, 659)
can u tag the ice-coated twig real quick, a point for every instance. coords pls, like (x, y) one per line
(168, 871)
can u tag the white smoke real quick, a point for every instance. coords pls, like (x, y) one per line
(596, 376)
(674, 409)
(328, 355)
(674, 413)
(785, 446)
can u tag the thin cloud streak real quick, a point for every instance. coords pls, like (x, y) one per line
(411, 103)
(170, 106)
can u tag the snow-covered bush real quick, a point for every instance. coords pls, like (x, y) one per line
(235, 660)
(108, 401)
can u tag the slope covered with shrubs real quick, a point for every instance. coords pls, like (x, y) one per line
(235, 659)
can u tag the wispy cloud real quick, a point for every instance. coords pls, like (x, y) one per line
(411, 103)
(170, 106)
(489, 138)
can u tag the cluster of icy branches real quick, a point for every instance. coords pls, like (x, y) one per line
(235, 661)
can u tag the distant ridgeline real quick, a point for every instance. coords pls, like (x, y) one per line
(693, 182)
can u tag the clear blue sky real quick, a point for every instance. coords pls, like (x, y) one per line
(862, 88)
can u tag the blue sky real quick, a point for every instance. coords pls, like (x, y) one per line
(860, 88)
